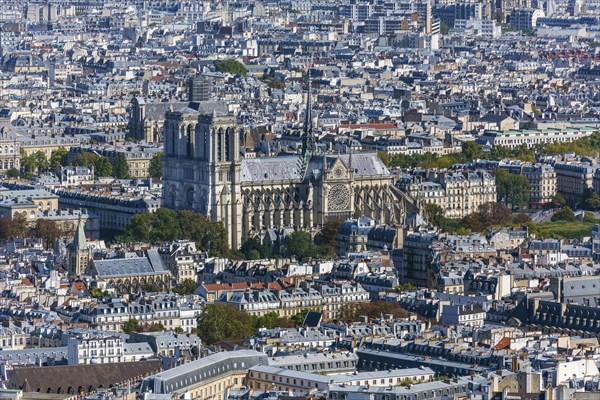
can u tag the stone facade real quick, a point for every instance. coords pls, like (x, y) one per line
(204, 171)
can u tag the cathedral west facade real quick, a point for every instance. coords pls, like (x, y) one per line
(204, 171)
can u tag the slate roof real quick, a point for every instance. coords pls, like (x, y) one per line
(135, 266)
(266, 169)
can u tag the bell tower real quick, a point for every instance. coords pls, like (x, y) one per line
(220, 165)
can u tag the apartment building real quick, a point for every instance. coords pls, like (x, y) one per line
(206, 378)
(327, 298)
(514, 138)
(87, 348)
(572, 178)
(457, 193)
(182, 258)
(9, 151)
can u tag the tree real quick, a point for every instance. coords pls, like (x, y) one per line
(186, 287)
(512, 189)
(269, 321)
(590, 200)
(565, 214)
(375, 309)
(47, 230)
(299, 318)
(120, 167)
(58, 158)
(472, 150)
(131, 326)
(102, 167)
(521, 219)
(98, 293)
(404, 287)
(434, 214)
(168, 225)
(34, 163)
(155, 168)
(520, 191)
(101, 164)
(150, 287)
(11, 228)
(299, 245)
(487, 215)
(12, 173)
(218, 322)
(494, 214)
(558, 200)
(329, 234)
(233, 67)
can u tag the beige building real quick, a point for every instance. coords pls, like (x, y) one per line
(326, 298)
(457, 193)
(542, 179)
(206, 378)
(12, 338)
(181, 259)
(48, 144)
(9, 151)
(27, 203)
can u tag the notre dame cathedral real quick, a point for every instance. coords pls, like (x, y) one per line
(204, 171)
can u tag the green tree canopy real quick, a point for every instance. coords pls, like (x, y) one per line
(434, 214)
(58, 158)
(253, 250)
(34, 163)
(512, 189)
(47, 230)
(558, 200)
(168, 225)
(12, 173)
(299, 245)
(120, 167)
(565, 214)
(375, 309)
(156, 166)
(101, 164)
(231, 67)
(590, 200)
(472, 150)
(186, 287)
(218, 322)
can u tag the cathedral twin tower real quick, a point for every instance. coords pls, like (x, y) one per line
(204, 171)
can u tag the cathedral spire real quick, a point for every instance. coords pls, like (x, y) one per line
(309, 142)
(308, 112)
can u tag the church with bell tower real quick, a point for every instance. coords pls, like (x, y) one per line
(204, 171)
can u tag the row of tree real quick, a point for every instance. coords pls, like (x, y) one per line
(117, 167)
(47, 230)
(223, 322)
(586, 146)
(168, 225)
(299, 245)
(488, 215)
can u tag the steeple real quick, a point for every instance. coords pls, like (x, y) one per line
(79, 241)
(309, 144)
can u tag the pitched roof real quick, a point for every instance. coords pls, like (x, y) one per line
(74, 376)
